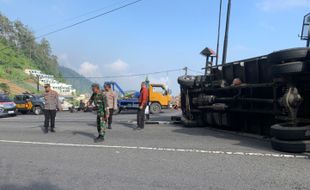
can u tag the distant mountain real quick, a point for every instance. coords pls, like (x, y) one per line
(78, 81)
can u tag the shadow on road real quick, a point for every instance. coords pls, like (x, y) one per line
(85, 134)
(92, 124)
(237, 139)
(42, 128)
(32, 186)
(125, 124)
(128, 112)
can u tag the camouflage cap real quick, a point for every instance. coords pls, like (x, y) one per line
(95, 85)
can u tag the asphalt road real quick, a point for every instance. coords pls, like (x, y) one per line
(163, 156)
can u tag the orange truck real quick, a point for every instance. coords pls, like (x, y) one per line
(159, 97)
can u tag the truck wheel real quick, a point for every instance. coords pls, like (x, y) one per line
(37, 110)
(186, 80)
(290, 146)
(155, 108)
(287, 131)
(289, 55)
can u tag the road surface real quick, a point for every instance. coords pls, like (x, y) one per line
(164, 156)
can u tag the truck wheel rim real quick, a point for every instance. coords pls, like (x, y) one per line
(37, 111)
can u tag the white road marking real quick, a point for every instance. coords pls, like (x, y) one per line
(273, 155)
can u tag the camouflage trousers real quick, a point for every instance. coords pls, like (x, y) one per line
(101, 123)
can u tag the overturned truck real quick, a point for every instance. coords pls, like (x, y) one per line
(267, 95)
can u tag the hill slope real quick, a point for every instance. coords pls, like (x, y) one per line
(19, 50)
(79, 82)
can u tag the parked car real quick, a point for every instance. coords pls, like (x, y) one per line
(7, 107)
(26, 103)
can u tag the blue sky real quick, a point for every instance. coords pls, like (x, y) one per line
(156, 35)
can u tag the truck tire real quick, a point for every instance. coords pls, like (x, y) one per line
(288, 68)
(155, 108)
(288, 132)
(290, 146)
(37, 110)
(186, 80)
(289, 55)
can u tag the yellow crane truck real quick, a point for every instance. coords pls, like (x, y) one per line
(159, 97)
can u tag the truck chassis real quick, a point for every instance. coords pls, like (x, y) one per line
(267, 95)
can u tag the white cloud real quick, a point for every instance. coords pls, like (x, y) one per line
(88, 69)
(281, 5)
(118, 66)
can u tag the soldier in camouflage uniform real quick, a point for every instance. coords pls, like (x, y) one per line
(99, 99)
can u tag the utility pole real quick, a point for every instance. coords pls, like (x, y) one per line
(226, 33)
(218, 34)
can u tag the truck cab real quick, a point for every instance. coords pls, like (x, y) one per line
(159, 97)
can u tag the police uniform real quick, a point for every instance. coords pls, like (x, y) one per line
(99, 100)
(111, 97)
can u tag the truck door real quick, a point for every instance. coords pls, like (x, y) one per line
(20, 103)
(159, 94)
(27, 102)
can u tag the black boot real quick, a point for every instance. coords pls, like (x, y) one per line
(100, 138)
(53, 130)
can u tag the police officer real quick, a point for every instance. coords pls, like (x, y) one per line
(99, 100)
(51, 105)
(111, 102)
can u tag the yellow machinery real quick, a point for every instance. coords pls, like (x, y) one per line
(159, 97)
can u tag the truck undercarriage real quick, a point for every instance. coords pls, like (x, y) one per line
(253, 95)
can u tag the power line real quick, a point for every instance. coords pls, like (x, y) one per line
(83, 21)
(102, 77)
(88, 19)
(125, 76)
(81, 15)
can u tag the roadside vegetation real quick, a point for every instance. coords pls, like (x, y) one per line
(19, 50)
